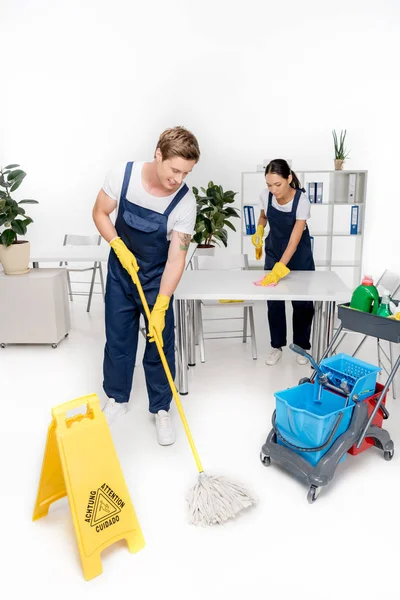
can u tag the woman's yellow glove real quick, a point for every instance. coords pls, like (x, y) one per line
(126, 258)
(157, 318)
(396, 317)
(278, 272)
(257, 239)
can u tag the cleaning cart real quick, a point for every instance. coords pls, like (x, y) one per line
(338, 410)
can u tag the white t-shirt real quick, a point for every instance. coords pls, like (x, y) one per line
(181, 219)
(303, 208)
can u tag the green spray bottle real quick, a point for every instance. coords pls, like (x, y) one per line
(384, 307)
(366, 297)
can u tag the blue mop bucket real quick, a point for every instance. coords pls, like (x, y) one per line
(359, 375)
(304, 423)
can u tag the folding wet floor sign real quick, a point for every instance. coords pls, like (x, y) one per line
(80, 461)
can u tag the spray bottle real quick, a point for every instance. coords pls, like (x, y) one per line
(384, 307)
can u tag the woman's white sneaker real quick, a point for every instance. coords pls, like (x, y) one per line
(301, 360)
(273, 357)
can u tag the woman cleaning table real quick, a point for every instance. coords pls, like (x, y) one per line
(285, 206)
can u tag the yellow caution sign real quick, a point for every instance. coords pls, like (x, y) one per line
(80, 461)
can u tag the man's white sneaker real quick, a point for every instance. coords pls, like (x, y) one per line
(273, 357)
(112, 410)
(165, 428)
(301, 360)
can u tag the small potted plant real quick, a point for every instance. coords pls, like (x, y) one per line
(14, 253)
(340, 151)
(213, 216)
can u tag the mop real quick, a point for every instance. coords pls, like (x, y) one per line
(213, 500)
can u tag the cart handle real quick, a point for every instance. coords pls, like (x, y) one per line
(313, 362)
(317, 448)
(383, 409)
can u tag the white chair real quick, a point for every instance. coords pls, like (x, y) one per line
(84, 240)
(391, 282)
(222, 262)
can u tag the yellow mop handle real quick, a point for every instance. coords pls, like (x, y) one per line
(170, 380)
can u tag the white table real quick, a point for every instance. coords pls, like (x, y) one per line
(69, 254)
(324, 288)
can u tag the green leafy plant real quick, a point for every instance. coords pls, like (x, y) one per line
(12, 216)
(340, 151)
(213, 214)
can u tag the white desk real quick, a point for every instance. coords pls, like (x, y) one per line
(70, 254)
(324, 288)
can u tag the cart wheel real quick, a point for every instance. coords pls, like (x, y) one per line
(313, 493)
(388, 454)
(54, 345)
(3, 345)
(304, 380)
(266, 460)
(66, 335)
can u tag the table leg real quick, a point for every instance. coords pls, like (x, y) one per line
(316, 330)
(329, 319)
(181, 342)
(191, 334)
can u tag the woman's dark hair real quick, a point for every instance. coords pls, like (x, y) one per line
(279, 166)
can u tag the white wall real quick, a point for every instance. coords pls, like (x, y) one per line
(86, 84)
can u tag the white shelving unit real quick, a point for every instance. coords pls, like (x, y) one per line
(335, 248)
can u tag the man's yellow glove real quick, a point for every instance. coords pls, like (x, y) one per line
(157, 318)
(278, 272)
(126, 258)
(257, 239)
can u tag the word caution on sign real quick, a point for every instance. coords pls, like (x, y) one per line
(80, 461)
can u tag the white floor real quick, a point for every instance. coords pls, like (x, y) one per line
(346, 545)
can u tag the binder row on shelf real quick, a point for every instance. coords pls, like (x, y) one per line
(249, 219)
(315, 192)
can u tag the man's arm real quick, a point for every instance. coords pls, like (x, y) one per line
(102, 209)
(175, 263)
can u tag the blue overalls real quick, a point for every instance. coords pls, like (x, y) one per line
(281, 227)
(144, 232)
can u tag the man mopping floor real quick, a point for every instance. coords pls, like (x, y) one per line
(155, 220)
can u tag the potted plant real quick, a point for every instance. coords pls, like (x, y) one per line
(340, 152)
(14, 253)
(213, 216)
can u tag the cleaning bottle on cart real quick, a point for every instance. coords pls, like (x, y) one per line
(366, 297)
(384, 307)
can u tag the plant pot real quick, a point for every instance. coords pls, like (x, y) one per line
(205, 250)
(339, 164)
(15, 258)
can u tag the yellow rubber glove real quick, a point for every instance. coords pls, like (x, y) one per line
(278, 272)
(229, 301)
(396, 317)
(257, 239)
(126, 258)
(157, 318)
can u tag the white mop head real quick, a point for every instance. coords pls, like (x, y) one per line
(214, 500)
